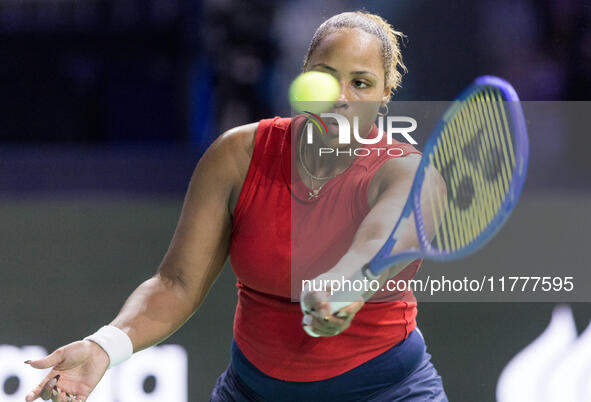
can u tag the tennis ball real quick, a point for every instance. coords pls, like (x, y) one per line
(314, 92)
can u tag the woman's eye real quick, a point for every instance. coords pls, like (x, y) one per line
(361, 84)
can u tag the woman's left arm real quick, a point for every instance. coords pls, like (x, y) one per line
(387, 196)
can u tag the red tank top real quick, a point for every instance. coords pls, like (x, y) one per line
(265, 238)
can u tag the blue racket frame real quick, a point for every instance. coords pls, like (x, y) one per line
(383, 260)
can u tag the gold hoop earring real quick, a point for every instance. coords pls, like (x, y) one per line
(383, 113)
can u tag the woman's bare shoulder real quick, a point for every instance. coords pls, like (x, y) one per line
(240, 138)
(237, 142)
(233, 150)
(232, 153)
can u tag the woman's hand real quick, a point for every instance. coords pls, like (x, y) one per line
(319, 320)
(76, 370)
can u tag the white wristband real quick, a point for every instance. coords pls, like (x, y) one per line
(114, 342)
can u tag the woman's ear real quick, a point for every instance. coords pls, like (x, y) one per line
(387, 95)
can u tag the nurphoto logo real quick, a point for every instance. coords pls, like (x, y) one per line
(391, 127)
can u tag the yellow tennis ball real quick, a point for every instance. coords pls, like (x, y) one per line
(314, 92)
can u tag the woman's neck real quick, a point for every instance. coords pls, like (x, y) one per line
(320, 162)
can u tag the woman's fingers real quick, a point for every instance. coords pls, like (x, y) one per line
(349, 310)
(327, 326)
(319, 321)
(317, 306)
(73, 398)
(35, 393)
(320, 310)
(49, 361)
(59, 395)
(71, 362)
(311, 328)
(66, 397)
(49, 389)
(56, 395)
(43, 390)
(53, 393)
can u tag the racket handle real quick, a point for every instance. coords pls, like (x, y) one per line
(366, 271)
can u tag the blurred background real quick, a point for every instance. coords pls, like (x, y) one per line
(106, 106)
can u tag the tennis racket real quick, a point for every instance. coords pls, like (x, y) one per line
(480, 148)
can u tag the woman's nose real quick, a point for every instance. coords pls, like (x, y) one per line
(343, 99)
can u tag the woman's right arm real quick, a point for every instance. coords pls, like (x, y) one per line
(163, 303)
(197, 251)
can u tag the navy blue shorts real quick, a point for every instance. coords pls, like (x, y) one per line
(402, 373)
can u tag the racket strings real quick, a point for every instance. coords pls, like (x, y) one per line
(475, 157)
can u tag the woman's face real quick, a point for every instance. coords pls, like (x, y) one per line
(354, 58)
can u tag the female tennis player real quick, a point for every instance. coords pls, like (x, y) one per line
(239, 203)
